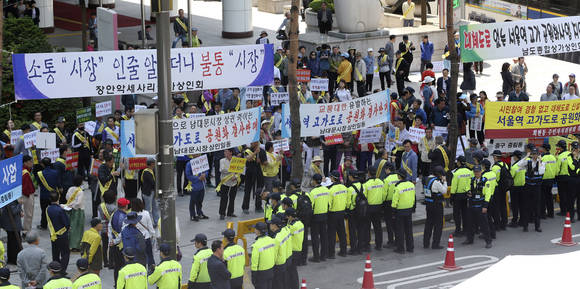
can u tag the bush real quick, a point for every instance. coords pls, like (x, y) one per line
(315, 5)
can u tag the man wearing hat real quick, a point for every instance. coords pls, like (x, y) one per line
(370, 65)
(235, 259)
(434, 188)
(315, 168)
(518, 172)
(534, 170)
(402, 204)
(264, 251)
(282, 239)
(504, 182)
(81, 143)
(338, 201)
(133, 238)
(374, 191)
(167, 274)
(57, 279)
(58, 225)
(563, 178)
(91, 248)
(384, 68)
(344, 70)
(492, 211)
(199, 276)
(390, 180)
(406, 47)
(133, 275)
(296, 228)
(116, 242)
(546, 198)
(4, 277)
(478, 196)
(263, 39)
(319, 196)
(86, 279)
(273, 205)
(460, 185)
(355, 193)
(62, 135)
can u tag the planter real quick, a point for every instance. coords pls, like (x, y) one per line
(355, 16)
(312, 19)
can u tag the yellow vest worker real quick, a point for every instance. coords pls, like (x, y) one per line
(320, 198)
(374, 190)
(199, 273)
(133, 275)
(57, 281)
(167, 274)
(390, 182)
(550, 174)
(338, 203)
(282, 239)
(517, 190)
(4, 277)
(296, 228)
(402, 204)
(460, 185)
(264, 252)
(86, 280)
(235, 258)
(478, 201)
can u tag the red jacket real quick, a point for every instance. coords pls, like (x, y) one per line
(27, 184)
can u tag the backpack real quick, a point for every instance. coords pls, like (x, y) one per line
(506, 181)
(361, 203)
(304, 207)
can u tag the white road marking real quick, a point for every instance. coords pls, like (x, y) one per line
(447, 273)
(554, 241)
(445, 285)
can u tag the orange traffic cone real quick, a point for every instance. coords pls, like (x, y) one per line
(567, 233)
(450, 257)
(303, 284)
(368, 281)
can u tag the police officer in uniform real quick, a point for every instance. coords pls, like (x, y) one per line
(563, 179)
(297, 237)
(477, 202)
(499, 214)
(374, 189)
(535, 169)
(434, 189)
(199, 276)
(518, 172)
(355, 189)
(281, 237)
(459, 188)
(57, 279)
(133, 275)
(403, 201)
(4, 277)
(86, 279)
(167, 275)
(390, 181)
(574, 185)
(546, 199)
(319, 196)
(264, 252)
(492, 210)
(235, 259)
(338, 202)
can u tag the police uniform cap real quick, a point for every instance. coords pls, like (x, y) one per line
(275, 220)
(290, 212)
(518, 154)
(83, 264)
(547, 146)
(477, 168)
(4, 273)
(561, 144)
(287, 201)
(534, 151)
(200, 238)
(486, 163)
(390, 167)
(461, 159)
(401, 172)
(335, 174)
(54, 266)
(229, 233)
(260, 226)
(574, 145)
(296, 182)
(276, 184)
(274, 196)
(496, 153)
(317, 177)
(60, 119)
(129, 252)
(165, 249)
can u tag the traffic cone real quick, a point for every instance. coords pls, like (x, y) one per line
(368, 281)
(303, 284)
(450, 257)
(567, 233)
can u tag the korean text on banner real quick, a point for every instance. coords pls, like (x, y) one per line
(127, 138)
(215, 132)
(319, 84)
(333, 139)
(370, 135)
(137, 163)
(103, 108)
(84, 114)
(339, 117)
(519, 38)
(15, 136)
(416, 135)
(199, 164)
(46, 140)
(302, 75)
(277, 98)
(10, 180)
(510, 145)
(52, 154)
(90, 127)
(254, 93)
(532, 119)
(237, 165)
(281, 145)
(30, 139)
(100, 73)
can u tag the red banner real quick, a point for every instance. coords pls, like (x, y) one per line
(95, 164)
(72, 161)
(137, 163)
(333, 139)
(302, 75)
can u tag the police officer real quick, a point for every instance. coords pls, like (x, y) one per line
(518, 172)
(235, 259)
(86, 279)
(535, 169)
(319, 196)
(546, 199)
(4, 277)
(57, 279)
(390, 181)
(574, 185)
(355, 189)
(292, 192)
(434, 189)
(273, 206)
(499, 195)
(459, 187)
(167, 275)
(133, 275)
(296, 228)
(264, 252)
(285, 227)
(563, 179)
(199, 276)
(374, 189)
(338, 202)
(403, 201)
(477, 202)
(491, 208)
(281, 237)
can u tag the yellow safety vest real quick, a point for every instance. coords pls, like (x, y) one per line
(111, 132)
(53, 234)
(60, 135)
(93, 238)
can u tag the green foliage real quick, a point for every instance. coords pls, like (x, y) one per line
(315, 5)
(22, 36)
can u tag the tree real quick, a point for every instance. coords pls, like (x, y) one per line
(453, 127)
(295, 143)
(20, 35)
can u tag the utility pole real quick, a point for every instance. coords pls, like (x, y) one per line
(165, 129)
(295, 145)
(83, 5)
(423, 12)
(453, 127)
(189, 40)
(143, 34)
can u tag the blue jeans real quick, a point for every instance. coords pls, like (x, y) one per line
(195, 202)
(408, 22)
(149, 252)
(183, 38)
(152, 207)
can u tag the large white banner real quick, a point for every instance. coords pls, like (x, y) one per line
(215, 132)
(339, 117)
(84, 74)
(520, 38)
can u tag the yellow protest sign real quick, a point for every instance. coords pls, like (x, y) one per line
(237, 165)
(531, 119)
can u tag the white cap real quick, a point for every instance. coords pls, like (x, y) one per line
(370, 49)
(428, 79)
(280, 48)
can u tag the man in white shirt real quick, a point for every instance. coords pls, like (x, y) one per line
(571, 94)
(408, 13)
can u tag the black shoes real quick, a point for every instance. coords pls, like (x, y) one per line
(314, 260)
(488, 245)
(436, 247)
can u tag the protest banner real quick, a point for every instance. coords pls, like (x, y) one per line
(281, 145)
(30, 139)
(339, 117)
(215, 132)
(370, 135)
(137, 163)
(100, 73)
(72, 161)
(319, 84)
(519, 38)
(15, 136)
(302, 75)
(199, 164)
(52, 154)
(277, 98)
(90, 127)
(254, 93)
(509, 145)
(416, 135)
(440, 131)
(127, 138)
(476, 123)
(103, 108)
(532, 119)
(237, 165)
(46, 140)
(140, 107)
(84, 114)
(95, 164)
(333, 139)
(10, 180)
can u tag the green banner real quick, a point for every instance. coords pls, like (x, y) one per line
(84, 114)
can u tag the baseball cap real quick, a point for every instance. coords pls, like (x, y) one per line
(199, 238)
(572, 75)
(477, 168)
(518, 153)
(260, 226)
(122, 202)
(335, 174)
(496, 153)
(275, 196)
(54, 266)
(317, 177)
(165, 248)
(290, 212)
(370, 49)
(275, 220)
(129, 252)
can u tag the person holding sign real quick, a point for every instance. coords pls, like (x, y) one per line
(270, 167)
(75, 205)
(228, 186)
(81, 144)
(196, 189)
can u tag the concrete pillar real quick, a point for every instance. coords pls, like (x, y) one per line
(46, 15)
(237, 19)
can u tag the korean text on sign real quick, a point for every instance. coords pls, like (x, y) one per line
(103, 108)
(199, 165)
(319, 84)
(237, 165)
(10, 180)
